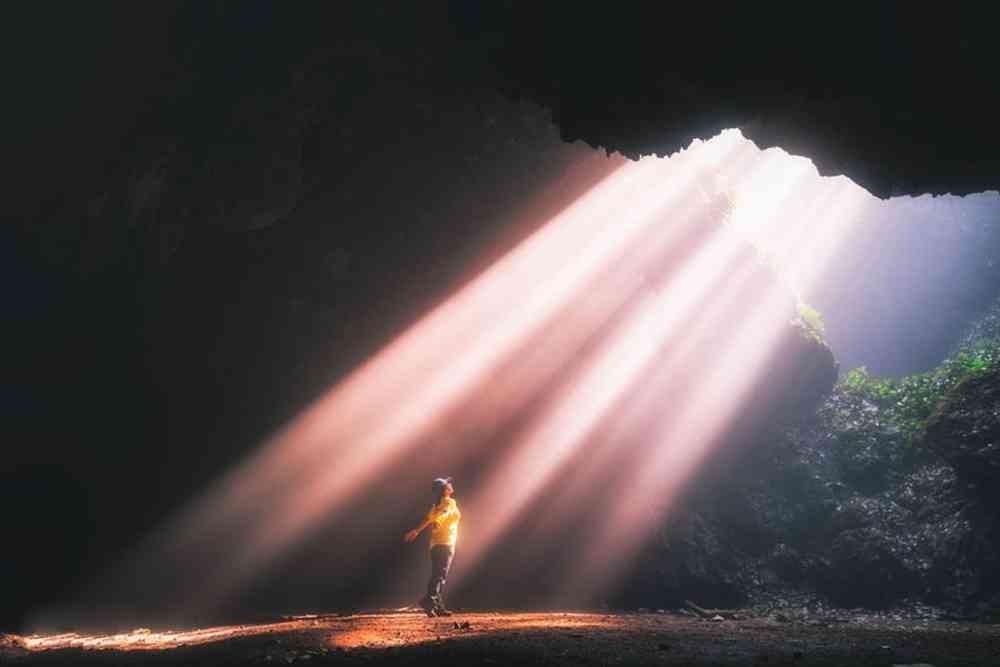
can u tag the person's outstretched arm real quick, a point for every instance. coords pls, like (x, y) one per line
(436, 513)
(412, 535)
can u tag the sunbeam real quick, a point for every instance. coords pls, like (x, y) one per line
(567, 344)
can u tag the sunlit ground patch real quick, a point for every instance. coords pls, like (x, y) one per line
(347, 632)
(146, 639)
(412, 629)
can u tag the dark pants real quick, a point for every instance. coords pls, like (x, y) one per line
(441, 556)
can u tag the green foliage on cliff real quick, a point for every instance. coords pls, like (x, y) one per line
(812, 322)
(864, 407)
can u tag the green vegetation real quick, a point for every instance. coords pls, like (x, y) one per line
(864, 407)
(812, 321)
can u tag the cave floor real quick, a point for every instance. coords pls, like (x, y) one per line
(408, 637)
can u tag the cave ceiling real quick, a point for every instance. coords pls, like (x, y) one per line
(901, 99)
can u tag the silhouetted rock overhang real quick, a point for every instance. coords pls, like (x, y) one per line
(901, 99)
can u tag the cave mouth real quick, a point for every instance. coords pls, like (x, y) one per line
(222, 285)
(719, 237)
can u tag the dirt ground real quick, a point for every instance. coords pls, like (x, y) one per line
(408, 637)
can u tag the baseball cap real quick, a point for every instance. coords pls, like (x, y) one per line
(441, 482)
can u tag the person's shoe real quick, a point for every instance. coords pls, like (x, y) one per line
(428, 606)
(441, 611)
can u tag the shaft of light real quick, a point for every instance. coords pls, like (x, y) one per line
(562, 309)
(325, 458)
(654, 478)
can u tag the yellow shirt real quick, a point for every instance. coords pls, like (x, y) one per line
(445, 517)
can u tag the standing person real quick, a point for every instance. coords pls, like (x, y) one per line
(444, 516)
